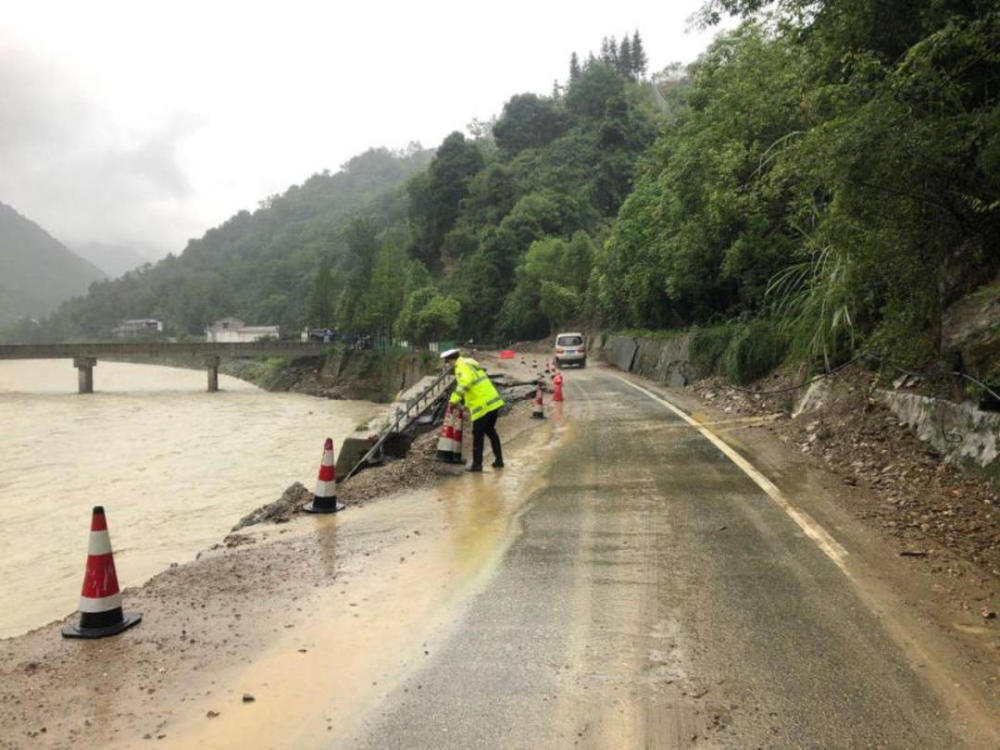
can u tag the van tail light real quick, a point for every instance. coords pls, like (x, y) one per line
(560, 350)
(582, 350)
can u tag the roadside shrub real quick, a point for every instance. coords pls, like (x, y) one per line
(708, 347)
(755, 349)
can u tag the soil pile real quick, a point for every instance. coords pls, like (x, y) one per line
(281, 510)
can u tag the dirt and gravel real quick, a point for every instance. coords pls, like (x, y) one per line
(944, 516)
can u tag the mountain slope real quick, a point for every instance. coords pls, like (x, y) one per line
(256, 266)
(114, 260)
(37, 272)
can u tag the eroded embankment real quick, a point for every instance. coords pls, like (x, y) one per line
(343, 373)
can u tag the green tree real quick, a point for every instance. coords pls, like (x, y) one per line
(321, 297)
(639, 61)
(436, 197)
(528, 121)
(625, 58)
(588, 96)
(439, 318)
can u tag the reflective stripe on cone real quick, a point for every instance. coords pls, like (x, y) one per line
(539, 410)
(449, 448)
(100, 599)
(325, 497)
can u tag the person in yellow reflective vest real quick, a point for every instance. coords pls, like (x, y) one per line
(474, 389)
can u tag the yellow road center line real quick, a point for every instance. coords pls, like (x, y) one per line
(813, 530)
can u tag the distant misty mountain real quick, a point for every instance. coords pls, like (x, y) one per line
(37, 272)
(115, 260)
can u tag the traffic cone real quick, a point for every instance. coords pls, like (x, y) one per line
(100, 601)
(324, 498)
(557, 381)
(449, 449)
(539, 411)
(458, 426)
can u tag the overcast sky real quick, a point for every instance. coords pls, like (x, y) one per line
(142, 123)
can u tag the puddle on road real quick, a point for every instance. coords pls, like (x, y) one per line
(384, 614)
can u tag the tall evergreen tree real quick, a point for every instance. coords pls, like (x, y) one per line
(613, 52)
(574, 67)
(320, 306)
(638, 56)
(625, 58)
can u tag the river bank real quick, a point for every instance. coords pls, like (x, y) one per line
(252, 593)
(343, 373)
(209, 613)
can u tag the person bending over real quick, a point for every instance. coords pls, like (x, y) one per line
(474, 389)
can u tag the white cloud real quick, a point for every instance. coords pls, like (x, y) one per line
(123, 121)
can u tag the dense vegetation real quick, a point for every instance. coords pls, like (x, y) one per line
(825, 177)
(834, 170)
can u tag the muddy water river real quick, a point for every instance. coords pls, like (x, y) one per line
(174, 466)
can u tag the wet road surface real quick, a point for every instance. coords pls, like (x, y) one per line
(625, 583)
(654, 596)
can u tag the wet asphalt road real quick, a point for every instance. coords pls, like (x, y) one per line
(655, 597)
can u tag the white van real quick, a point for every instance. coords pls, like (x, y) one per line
(571, 349)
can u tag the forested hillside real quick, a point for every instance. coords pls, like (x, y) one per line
(836, 173)
(37, 272)
(825, 178)
(258, 266)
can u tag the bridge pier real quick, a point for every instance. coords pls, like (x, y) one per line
(85, 367)
(212, 363)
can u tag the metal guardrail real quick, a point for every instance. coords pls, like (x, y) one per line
(406, 416)
(191, 349)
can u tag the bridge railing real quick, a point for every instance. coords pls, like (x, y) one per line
(406, 416)
(154, 348)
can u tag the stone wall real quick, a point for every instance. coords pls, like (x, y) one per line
(959, 431)
(620, 351)
(664, 359)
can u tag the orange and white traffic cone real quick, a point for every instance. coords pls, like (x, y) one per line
(449, 449)
(539, 410)
(325, 497)
(100, 601)
(557, 381)
(458, 427)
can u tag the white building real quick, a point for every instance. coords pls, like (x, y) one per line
(138, 327)
(235, 330)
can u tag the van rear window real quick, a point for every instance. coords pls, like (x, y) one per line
(569, 341)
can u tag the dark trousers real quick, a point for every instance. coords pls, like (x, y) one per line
(486, 425)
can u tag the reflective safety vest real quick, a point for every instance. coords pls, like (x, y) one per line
(473, 386)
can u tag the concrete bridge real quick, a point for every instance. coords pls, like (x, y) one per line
(85, 356)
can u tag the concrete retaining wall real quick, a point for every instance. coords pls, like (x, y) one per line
(620, 351)
(960, 432)
(665, 359)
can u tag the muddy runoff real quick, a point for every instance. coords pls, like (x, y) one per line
(265, 612)
(173, 465)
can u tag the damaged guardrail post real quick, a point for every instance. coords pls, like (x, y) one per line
(402, 418)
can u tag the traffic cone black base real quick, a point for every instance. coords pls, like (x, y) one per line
(116, 621)
(100, 600)
(324, 501)
(323, 505)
